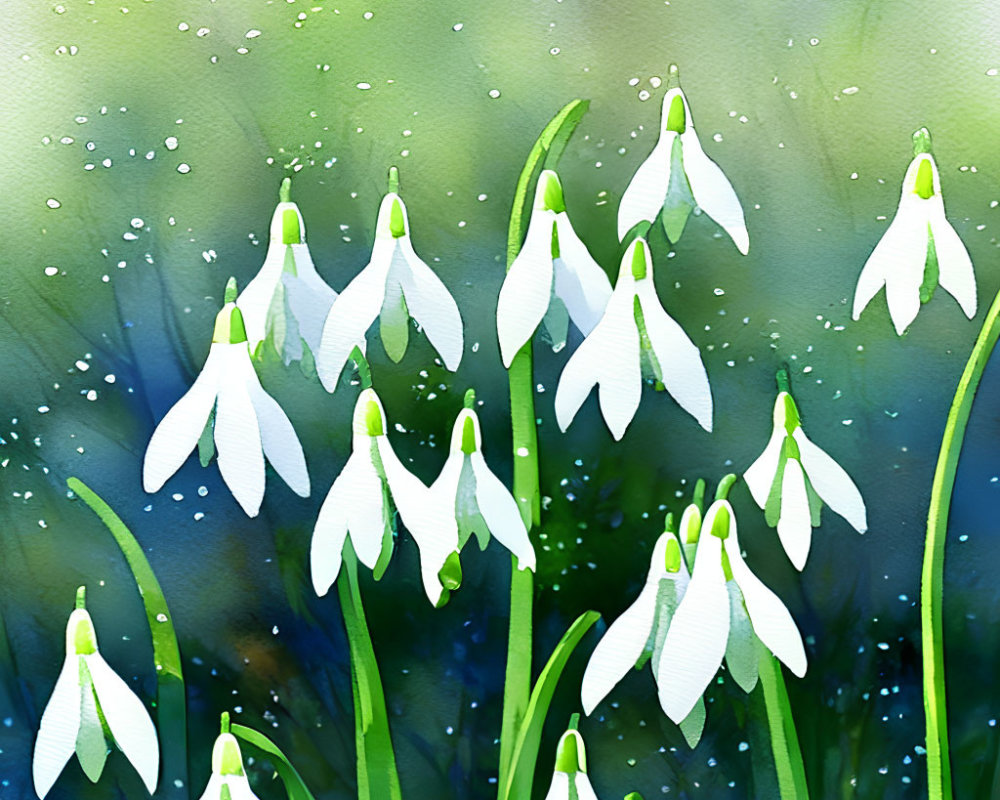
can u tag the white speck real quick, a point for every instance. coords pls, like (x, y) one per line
(851, 90)
(53, 203)
(457, 26)
(253, 33)
(364, 86)
(814, 41)
(171, 142)
(183, 27)
(136, 222)
(51, 271)
(494, 93)
(481, 198)
(109, 378)
(992, 72)
(43, 409)
(83, 366)
(91, 395)
(523, 452)
(203, 31)
(183, 169)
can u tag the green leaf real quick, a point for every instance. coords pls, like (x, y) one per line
(171, 711)
(206, 442)
(784, 738)
(529, 734)
(693, 725)
(295, 787)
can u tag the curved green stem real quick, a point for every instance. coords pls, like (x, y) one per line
(932, 574)
(781, 726)
(517, 680)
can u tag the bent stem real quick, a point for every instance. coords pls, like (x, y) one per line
(171, 710)
(932, 573)
(517, 681)
(781, 725)
(377, 775)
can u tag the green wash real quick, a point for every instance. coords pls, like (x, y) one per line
(554, 246)
(923, 186)
(373, 419)
(450, 574)
(397, 223)
(291, 233)
(792, 420)
(224, 793)
(672, 556)
(570, 756)
(553, 195)
(84, 637)
(676, 115)
(228, 760)
(720, 525)
(229, 326)
(639, 262)
(932, 271)
(645, 345)
(469, 436)
(727, 568)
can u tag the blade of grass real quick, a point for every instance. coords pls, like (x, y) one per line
(932, 572)
(784, 739)
(295, 787)
(171, 710)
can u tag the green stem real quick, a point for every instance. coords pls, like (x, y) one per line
(377, 775)
(517, 679)
(932, 573)
(171, 711)
(784, 740)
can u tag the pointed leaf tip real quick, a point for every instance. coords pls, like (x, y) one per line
(81, 597)
(285, 191)
(393, 180)
(231, 290)
(224, 722)
(921, 141)
(470, 398)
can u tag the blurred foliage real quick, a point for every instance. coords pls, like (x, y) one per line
(141, 149)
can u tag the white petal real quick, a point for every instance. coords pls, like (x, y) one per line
(237, 434)
(432, 306)
(352, 314)
(898, 262)
(794, 521)
(128, 720)
(712, 190)
(57, 732)
(527, 288)
(281, 445)
(759, 476)
(679, 358)
(178, 432)
(741, 647)
(500, 511)
(255, 299)
(832, 483)
(309, 298)
(580, 282)
(771, 621)
(584, 791)
(213, 789)
(239, 787)
(609, 356)
(644, 196)
(696, 640)
(559, 788)
(955, 273)
(623, 643)
(426, 515)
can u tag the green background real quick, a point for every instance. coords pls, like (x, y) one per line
(814, 165)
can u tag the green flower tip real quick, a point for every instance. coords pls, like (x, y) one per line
(397, 221)
(676, 115)
(226, 756)
(698, 497)
(224, 793)
(571, 756)
(291, 231)
(231, 291)
(469, 445)
(224, 722)
(781, 378)
(672, 556)
(470, 398)
(393, 180)
(633, 796)
(639, 260)
(792, 449)
(229, 326)
(923, 186)
(451, 573)
(82, 633)
(668, 523)
(792, 420)
(691, 524)
(722, 490)
(921, 142)
(285, 191)
(720, 525)
(81, 597)
(374, 424)
(552, 192)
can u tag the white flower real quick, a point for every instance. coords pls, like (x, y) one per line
(228, 780)
(395, 286)
(248, 422)
(480, 501)
(287, 302)
(569, 778)
(677, 175)
(553, 279)
(634, 337)
(724, 608)
(640, 632)
(792, 479)
(90, 709)
(918, 250)
(359, 506)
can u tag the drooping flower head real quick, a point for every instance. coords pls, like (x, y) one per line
(91, 709)
(724, 611)
(481, 503)
(635, 338)
(554, 278)
(228, 780)
(227, 409)
(919, 250)
(569, 778)
(287, 302)
(361, 505)
(395, 286)
(792, 479)
(677, 176)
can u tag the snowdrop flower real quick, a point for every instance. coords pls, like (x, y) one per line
(640, 632)
(918, 250)
(287, 302)
(678, 175)
(481, 502)
(90, 709)
(228, 402)
(228, 780)
(792, 479)
(635, 338)
(723, 612)
(358, 506)
(553, 279)
(569, 778)
(395, 286)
